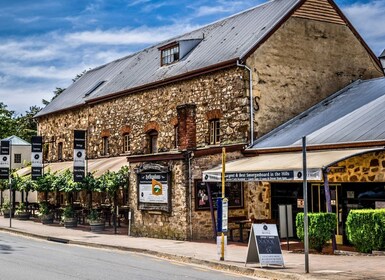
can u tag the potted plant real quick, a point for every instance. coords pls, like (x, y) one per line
(96, 222)
(21, 212)
(69, 218)
(45, 214)
(5, 208)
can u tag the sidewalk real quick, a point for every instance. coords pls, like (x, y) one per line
(321, 266)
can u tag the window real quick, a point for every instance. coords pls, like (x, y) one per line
(170, 55)
(214, 132)
(60, 151)
(153, 141)
(176, 136)
(126, 143)
(17, 158)
(105, 146)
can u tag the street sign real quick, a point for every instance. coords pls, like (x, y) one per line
(79, 155)
(264, 246)
(5, 162)
(36, 157)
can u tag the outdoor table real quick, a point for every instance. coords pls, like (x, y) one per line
(241, 224)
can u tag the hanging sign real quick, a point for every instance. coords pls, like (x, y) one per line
(5, 162)
(36, 157)
(79, 155)
(264, 245)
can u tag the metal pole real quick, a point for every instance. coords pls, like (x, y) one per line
(287, 227)
(305, 218)
(223, 196)
(10, 184)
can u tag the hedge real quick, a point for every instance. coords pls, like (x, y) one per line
(321, 228)
(365, 229)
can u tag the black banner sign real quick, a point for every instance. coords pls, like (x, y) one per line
(36, 157)
(5, 162)
(79, 155)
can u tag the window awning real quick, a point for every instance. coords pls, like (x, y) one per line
(285, 166)
(97, 166)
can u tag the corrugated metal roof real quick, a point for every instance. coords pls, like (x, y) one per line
(16, 141)
(354, 114)
(224, 40)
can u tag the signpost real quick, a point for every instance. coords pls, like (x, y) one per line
(222, 209)
(5, 168)
(264, 246)
(36, 157)
(79, 155)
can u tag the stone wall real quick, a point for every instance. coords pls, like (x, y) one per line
(365, 168)
(303, 62)
(223, 91)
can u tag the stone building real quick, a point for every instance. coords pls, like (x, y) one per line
(171, 108)
(345, 156)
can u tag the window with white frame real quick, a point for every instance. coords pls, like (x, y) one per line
(214, 131)
(105, 146)
(170, 55)
(126, 143)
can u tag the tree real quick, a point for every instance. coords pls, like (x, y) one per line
(7, 122)
(27, 125)
(56, 93)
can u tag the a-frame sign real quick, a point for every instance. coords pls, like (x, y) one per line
(264, 246)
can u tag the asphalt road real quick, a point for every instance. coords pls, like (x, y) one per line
(26, 258)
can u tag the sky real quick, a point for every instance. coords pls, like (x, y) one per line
(44, 44)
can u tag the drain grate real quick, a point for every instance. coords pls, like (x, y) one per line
(59, 240)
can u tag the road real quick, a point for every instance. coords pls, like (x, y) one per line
(26, 258)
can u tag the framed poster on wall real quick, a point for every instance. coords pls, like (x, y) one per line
(154, 190)
(233, 191)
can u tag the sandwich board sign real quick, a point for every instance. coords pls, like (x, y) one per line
(264, 246)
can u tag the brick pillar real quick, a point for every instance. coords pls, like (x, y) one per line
(187, 126)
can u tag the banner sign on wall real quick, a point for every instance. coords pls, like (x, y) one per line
(5, 162)
(36, 157)
(79, 155)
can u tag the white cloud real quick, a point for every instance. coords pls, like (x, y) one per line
(369, 20)
(142, 35)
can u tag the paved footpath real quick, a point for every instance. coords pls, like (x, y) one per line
(321, 266)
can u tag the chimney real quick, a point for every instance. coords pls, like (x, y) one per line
(186, 126)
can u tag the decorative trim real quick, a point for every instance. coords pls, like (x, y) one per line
(214, 114)
(105, 133)
(151, 126)
(126, 129)
(174, 121)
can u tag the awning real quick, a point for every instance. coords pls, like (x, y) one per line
(280, 166)
(97, 166)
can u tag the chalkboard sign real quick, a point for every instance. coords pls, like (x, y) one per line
(233, 191)
(264, 245)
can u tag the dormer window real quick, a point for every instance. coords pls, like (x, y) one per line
(170, 54)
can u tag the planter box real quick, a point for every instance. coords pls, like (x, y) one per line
(97, 226)
(70, 222)
(23, 216)
(6, 214)
(46, 219)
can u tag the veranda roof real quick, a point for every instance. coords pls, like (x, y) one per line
(97, 166)
(282, 166)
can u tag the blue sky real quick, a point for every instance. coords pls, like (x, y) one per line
(45, 43)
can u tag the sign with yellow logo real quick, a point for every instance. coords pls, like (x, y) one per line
(157, 188)
(153, 187)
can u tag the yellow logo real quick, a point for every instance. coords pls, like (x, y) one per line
(157, 188)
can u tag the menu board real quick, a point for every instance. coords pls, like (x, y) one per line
(233, 191)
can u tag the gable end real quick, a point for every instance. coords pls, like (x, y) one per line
(320, 10)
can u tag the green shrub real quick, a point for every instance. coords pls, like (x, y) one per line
(365, 229)
(321, 228)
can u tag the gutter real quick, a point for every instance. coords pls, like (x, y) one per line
(250, 101)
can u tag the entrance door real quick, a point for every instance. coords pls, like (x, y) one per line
(318, 204)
